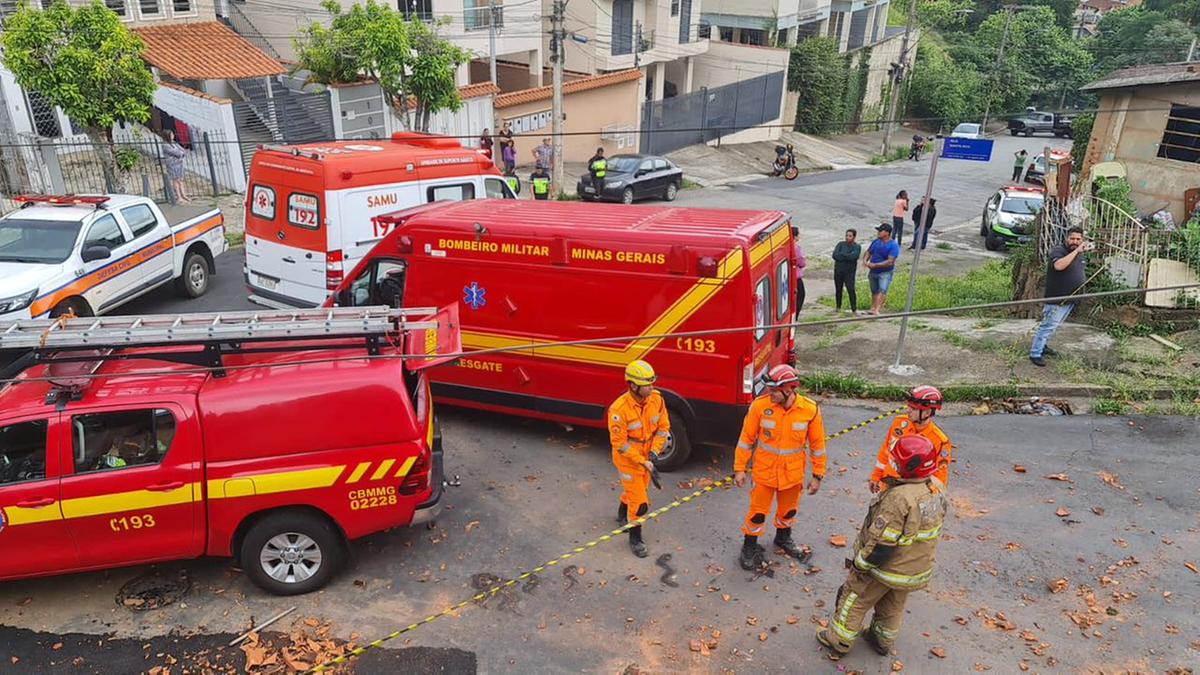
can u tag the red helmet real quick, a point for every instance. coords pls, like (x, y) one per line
(781, 375)
(925, 397)
(914, 457)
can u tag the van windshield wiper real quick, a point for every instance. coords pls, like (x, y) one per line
(21, 259)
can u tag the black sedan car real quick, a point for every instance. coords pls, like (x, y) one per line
(633, 177)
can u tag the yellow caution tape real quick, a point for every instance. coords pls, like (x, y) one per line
(483, 595)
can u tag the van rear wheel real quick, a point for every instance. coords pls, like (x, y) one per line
(679, 444)
(290, 553)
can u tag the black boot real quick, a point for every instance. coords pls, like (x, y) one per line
(622, 513)
(635, 542)
(751, 558)
(783, 542)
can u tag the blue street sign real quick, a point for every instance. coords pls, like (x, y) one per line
(971, 149)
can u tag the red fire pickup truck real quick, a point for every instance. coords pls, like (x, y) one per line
(135, 455)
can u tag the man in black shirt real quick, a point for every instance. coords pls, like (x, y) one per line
(1064, 276)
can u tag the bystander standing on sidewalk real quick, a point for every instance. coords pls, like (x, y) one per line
(173, 158)
(1019, 164)
(508, 155)
(506, 141)
(485, 143)
(543, 155)
(899, 211)
(1064, 277)
(845, 268)
(880, 259)
(917, 214)
(801, 263)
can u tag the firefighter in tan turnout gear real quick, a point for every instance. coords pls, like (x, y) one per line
(894, 552)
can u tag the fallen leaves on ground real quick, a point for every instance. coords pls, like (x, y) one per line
(1172, 629)
(1012, 546)
(938, 652)
(471, 525)
(997, 620)
(1192, 567)
(964, 508)
(1112, 480)
(897, 666)
(752, 621)
(1059, 476)
(1019, 468)
(837, 540)
(1028, 636)
(1062, 512)
(304, 650)
(1098, 510)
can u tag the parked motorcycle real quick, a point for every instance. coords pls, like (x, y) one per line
(785, 163)
(917, 148)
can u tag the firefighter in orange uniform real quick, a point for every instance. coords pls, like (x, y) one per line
(777, 427)
(638, 427)
(923, 402)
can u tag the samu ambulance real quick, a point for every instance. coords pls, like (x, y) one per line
(309, 208)
(530, 275)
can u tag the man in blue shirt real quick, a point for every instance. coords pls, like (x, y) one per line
(880, 260)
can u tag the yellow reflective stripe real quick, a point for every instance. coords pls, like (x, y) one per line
(906, 540)
(405, 467)
(903, 580)
(890, 535)
(839, 621)
(930, 534)
(20, 515)
(883, 632)
(383, 469)
(861, 562)
(284, 481)
(358, 472)
(82, 507)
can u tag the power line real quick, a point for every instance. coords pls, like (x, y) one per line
(627, 339)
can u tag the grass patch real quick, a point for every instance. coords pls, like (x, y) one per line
(235, 239)
(943, 245)
(835, 333)
(691, 184)
(1110, 406)
(993, 282)
(856, 386)
(567, 197)
(895, 154)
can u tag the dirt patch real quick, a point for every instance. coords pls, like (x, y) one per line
(965, 508)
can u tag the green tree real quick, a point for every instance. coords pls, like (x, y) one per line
(412, 64)
(943, 91)
(1064, 10)
(1139, 36)
(1187, 11)
(85, 61)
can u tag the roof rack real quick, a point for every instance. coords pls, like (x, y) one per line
(95, 201)
(35, 341)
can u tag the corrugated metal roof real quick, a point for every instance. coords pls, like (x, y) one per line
(1168, 73)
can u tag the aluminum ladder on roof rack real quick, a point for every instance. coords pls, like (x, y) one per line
(219, 327)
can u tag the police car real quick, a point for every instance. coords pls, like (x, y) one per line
(1009, 215)
(91, 254)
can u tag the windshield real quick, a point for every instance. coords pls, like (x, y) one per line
(624, 164)
(37, 241)
(1022, 206)
(967, 128)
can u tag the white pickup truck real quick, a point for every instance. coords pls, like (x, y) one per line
(91, 254)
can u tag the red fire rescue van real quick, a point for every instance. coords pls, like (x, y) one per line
(309, 208)
(528, 275)
(129, 456)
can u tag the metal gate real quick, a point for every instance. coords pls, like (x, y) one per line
(708, 114)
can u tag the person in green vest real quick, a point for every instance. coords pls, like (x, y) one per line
(540, 180)
(510, 177)
(598, 168)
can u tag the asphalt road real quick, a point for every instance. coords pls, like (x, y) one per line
(532, 491)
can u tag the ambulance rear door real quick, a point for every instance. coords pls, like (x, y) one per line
(286, 243)
(773, 279)
(355, 231)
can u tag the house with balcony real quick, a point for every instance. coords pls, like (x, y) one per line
(662, 39)
(853, 23)
(515, 28)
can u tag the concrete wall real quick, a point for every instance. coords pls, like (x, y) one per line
(883, 54)
(617, 105)
(201, 10)
(509, 77)
(1131, 132)
(728, 62)
(593, 22)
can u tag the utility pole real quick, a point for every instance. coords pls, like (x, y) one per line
(492, 37)
(918, 237)
(557, 36)
(999, 63)
(898, 79)
(1191, 50)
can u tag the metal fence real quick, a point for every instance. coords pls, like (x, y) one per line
(708, 114)
(1132, 253)
(38, 165)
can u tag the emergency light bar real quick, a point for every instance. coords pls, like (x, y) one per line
(61, 200)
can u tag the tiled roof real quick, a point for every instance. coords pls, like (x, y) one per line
(478, 90)
(205, 51)
(1166, 73)
(192, 92)
(584, 84)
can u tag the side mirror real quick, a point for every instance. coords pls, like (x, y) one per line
(95, 252)
(640, 173)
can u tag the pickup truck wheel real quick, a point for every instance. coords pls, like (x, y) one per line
(1013, 132)
(193, 283)
(77, 305)
(679, 445)
(291, 553)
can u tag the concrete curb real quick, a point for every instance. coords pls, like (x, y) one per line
(1048, 391)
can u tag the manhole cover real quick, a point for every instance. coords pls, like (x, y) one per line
(154, 590)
